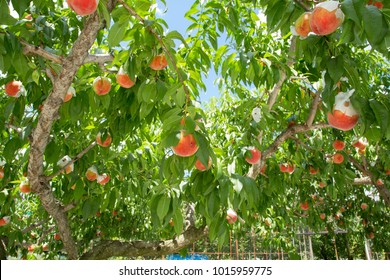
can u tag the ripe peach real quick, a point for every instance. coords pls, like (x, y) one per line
(231, 216)
(24, 187)
(1, 172)
(123, 79)
(31, 248)
(337, 158)
(64, 162)
(158, 62)
(57, 236)
(83, 7)
(322, 216)
(199, 165)
(69, 94)
(13, 88)
(302, 25)
(364, 206)
(313, 170)
(387, 171)
(103, 179)
(187, 145)
(344, 116)
(45, 247)
(287, 168)
(254, 157)
(283, 168)
(263, 168)
(360, 143)
(377, 4)
(102, 85)
(338, 145)
(371, 235)
(326, 17)
(362, 151)
(322, 184)
(5, 221)
(91, 173)
(107, 141)
(304, 205)
(379, 182)
(290, 168)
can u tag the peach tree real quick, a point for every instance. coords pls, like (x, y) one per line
(106, 150)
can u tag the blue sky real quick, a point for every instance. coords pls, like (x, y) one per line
(174, 16)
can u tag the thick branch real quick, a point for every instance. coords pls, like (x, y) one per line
(383, 191)
(41, 52)
(41, 133)
(362, 181)
(115, 248)
(98, 58)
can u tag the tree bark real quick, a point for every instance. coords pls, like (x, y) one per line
(114, 248)
(41, 134)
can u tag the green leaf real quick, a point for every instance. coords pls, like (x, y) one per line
(336, 68)
(20, 6)
(5, 17)
(180, 97)
(178, 221)
(349, 9)
(116, 33)
(176, 35)
(374, 25)
(381, 113)
(10, 149)
(148, 91)
(163, 207)
(90, 207)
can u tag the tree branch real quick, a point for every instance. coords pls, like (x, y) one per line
(283, 75)
(30, 49)
(13, 127)
(302, 5)
(115, 248)
(254, 171)
(313, 110)
(40, 135)
(383, 191)
(98, 58)
(76, 158)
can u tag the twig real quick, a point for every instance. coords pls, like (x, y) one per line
(254, 171)
(41, 52)
(76, 158)
(302, 5)
(313, 109)
(33, 226)
(13, 127)
(283, 75)
(45, 233)
(383, 191)
(50, 75)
